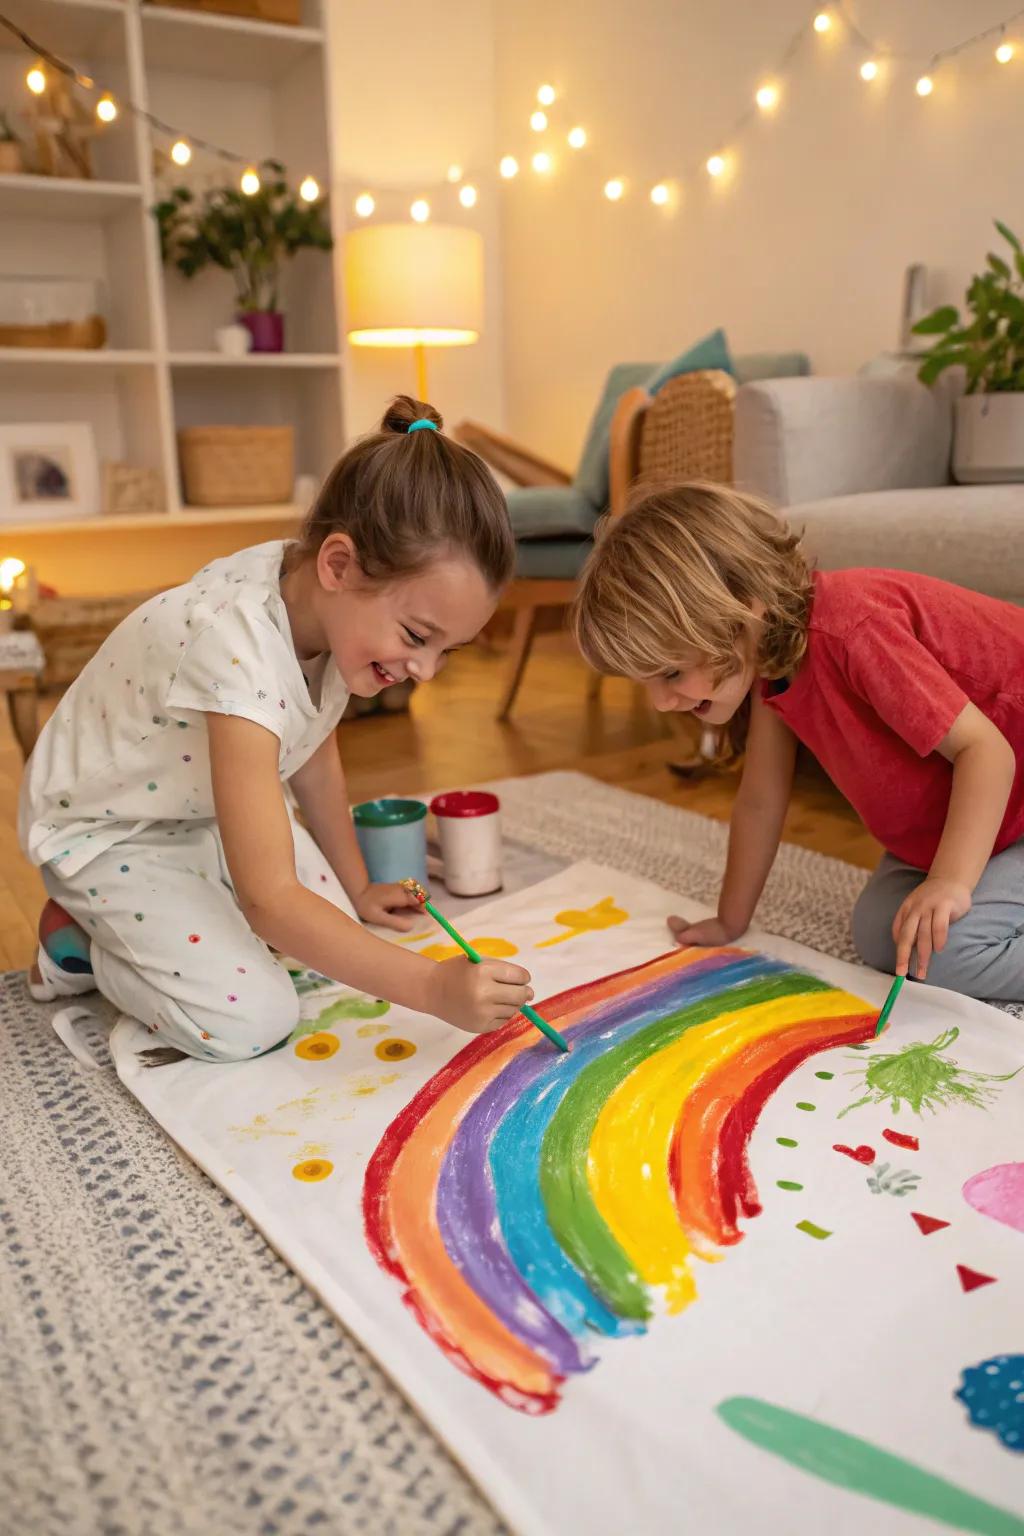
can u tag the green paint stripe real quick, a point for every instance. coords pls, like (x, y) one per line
(808, 1107)
(786, 1141)
(787, 1184)
(826, 1077)
(578, 1226)
(812, 1230)
(857, 1465)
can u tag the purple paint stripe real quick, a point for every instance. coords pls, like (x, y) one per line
(466, 1207)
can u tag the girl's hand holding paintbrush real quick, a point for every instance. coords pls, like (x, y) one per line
(478, 998)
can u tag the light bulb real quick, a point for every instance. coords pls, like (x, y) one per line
(250, 182)
(541, 162)
(181, 152)
(613, 189)
(364, 205)
(925, 86)
(467, 196)
(659, 194)
(36, 80)
(420, 210)
(869, 70)
(454, 174)
(1004, 53)
(106, 109)
(309, 189)
(539, 121)
(509, 167)
(546, 95)
(823, 22)
(716, 165)
(767, 97)
(577, 138)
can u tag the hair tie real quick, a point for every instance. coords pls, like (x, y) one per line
(414, 426)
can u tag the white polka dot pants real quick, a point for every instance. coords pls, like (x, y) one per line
(171, 947)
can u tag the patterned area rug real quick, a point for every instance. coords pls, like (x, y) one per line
(161, 1369)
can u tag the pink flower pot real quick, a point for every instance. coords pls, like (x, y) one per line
(266, 328)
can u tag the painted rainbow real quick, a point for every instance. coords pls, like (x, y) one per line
(530, 1203)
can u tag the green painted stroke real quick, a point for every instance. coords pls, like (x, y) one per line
(861, 1467)
(578, 1226)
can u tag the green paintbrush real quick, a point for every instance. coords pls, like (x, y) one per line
(414, 887)
(887, 1006)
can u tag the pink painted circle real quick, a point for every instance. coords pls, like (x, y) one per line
(999, 1192)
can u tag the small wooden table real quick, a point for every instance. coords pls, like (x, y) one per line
(21, 662)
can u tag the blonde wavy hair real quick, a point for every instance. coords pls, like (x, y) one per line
(679, 571)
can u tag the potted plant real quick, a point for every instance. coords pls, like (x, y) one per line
(989, 345)
(10, 148)
(249, 235)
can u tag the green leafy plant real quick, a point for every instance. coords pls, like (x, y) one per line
(989, 343)
(250, 236)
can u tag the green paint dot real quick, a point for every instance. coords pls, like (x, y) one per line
(860, 1047)
(825, 1076)
(92, 890)
(812, 1230)
(787, 1184)
(151, 785)
(801, 1104)
(65, 803)
(138, 917)
(786, 1141)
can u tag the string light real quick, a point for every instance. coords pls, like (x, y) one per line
(539, 121)
(925, 85)
(509, 167)
(181, 152)
(614, 189)
(577, 137)
(467, 196)
(36, 80)
(454, 174)
(309, 189)
(869, 70)
(106, 109)
(823, 22)
(1004, 53)
(541, 162)
(250, 182)
(546, 95)
(767, 97)
(659, 194)
(715, 165)
(420, 210)
(364, 205)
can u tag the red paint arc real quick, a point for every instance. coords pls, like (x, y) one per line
(865, 1155)
(899, 1140)
(928, 1224)
(970, 1279)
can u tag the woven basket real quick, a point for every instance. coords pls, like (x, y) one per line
(288, 12)
(688, 429)
(237, 466)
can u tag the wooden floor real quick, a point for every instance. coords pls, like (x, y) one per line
(450, 738)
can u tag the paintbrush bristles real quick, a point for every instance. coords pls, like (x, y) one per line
(415, 889)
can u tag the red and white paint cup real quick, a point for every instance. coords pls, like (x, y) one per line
(469, 830)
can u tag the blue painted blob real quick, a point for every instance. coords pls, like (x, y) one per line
(993, 1394)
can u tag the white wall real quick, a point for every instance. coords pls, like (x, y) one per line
(413, 92)
(803, 246)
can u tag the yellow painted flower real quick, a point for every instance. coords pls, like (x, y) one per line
(394, 1050)
(313, 1170)
(317, 1047)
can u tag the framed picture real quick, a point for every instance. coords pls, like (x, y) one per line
(48, 471)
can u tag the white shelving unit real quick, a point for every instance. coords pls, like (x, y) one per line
(253, 86)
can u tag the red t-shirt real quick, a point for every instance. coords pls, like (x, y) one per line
(892, 659)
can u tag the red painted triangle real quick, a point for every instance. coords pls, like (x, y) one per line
(970, 1279)
(928, 1224)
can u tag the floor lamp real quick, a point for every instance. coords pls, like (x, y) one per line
(414, 285)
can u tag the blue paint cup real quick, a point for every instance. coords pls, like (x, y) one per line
(393, 837)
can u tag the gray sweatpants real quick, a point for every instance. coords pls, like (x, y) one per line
(984, 954)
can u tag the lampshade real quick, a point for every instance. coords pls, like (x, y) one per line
(413, 285)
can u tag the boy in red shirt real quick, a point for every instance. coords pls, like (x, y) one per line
(909, 691)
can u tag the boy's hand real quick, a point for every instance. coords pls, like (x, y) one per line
(923, 921)
(709, 934)
(389, 906)
(478, 998)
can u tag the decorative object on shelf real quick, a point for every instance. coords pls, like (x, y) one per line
(237, 466)
(128, 488)
(414, 285)
(233, 340)
(11, 161)
(51, 312)
(48, 471)
(249, 234)
(989, 345)
(18, 591)
(63, 130)
(285, 12)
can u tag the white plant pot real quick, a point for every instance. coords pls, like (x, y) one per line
(988, 445)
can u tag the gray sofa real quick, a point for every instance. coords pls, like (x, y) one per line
(862, 466)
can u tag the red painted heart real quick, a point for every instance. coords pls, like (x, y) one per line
(859, 1154)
